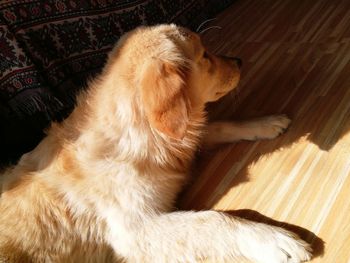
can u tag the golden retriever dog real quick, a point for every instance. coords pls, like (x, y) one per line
(101, 186)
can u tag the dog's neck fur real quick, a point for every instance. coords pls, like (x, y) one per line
(123, 133)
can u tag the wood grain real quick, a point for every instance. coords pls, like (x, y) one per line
(296, 60)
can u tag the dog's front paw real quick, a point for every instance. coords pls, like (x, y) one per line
(280, 246)
(271, 126)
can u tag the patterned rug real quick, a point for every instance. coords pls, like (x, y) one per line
(49, 49)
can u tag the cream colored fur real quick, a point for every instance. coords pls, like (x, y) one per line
(101, 186)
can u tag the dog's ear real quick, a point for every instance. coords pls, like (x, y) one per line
(164, 99)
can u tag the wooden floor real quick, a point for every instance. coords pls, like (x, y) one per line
(296, 60)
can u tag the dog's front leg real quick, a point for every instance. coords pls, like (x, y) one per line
(211, 235)
(262, 128)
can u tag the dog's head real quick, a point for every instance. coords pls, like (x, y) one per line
(174, 74)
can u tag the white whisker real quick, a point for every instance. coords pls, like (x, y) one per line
(204, 30)
(203, 23)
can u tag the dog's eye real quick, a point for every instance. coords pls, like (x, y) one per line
(205, 55)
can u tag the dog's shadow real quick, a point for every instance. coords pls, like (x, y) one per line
(312, 120)
(309, 125)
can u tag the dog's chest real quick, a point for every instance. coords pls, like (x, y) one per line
(153, 188)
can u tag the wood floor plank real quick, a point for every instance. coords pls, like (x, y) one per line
(296, 57)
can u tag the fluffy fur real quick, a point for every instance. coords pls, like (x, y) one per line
(101, 185)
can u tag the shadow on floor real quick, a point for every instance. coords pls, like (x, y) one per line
(317, 244)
